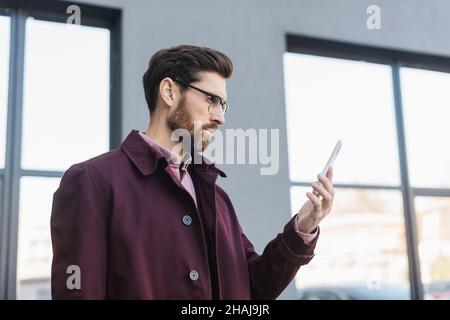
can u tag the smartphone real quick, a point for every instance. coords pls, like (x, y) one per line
(330, 162)
(333, 156)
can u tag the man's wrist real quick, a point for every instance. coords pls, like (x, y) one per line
(306, 225)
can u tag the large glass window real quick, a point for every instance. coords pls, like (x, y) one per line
(58, 101)
(35, 249)
(363, 252)
(433, 217)
(65, 120)
(329, 99)
(426, 100)
(66, 94)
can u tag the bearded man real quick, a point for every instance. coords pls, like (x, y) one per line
(147, 221)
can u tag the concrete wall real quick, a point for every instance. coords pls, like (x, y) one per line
(252, 33)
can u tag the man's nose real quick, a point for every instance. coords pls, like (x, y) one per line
(218, 118)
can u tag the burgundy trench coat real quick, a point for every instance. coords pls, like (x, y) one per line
(134, 233)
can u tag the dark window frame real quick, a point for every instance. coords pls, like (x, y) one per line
(395, 59)
(48, 10)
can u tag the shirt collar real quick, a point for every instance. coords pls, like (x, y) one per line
(146, 157)
(170, 156)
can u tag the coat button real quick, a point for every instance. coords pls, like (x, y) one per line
(193, 275)
(187, 220)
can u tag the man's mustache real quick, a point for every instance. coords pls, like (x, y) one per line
(212, 126)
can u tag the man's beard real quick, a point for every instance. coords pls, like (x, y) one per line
(181, 119)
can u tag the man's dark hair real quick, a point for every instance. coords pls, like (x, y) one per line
(182, 63)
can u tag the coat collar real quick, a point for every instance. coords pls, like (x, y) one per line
(146, 158)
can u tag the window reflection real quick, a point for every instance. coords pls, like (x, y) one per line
(426, 101)
(34, 245)
(66, 94)
(329, 99)
(363, 255)
(433, 221)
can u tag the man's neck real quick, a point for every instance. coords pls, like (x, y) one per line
(161, 134)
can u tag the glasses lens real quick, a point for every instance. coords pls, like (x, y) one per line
(216, 105)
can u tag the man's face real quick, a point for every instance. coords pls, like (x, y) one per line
(193, 107)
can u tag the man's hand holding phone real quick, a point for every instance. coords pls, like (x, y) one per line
(321, 200)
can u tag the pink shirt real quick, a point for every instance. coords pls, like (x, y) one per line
(177, 169)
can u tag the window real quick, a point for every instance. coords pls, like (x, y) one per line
(65, 120)
(330, 98)
(433, 216)
(66, 94)
(387, 237)
(64, 110)
(35, 250)
(363, 242)
(426, 100)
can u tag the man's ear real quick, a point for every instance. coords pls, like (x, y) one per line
(168, 92)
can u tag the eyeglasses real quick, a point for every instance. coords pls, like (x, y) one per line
(218, 105)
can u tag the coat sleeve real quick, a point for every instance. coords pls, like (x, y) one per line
(271, 272)
(79, 238)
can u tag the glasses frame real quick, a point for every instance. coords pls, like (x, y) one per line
(223, 105)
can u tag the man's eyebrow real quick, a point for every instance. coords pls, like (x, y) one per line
(223, 100)
(206, 91)
(216, 95)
